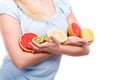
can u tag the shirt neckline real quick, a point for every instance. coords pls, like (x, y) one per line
(56, 10)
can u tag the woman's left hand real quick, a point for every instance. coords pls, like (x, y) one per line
(76, 41)
(50, 47)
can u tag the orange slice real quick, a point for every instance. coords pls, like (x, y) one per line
(87, 34)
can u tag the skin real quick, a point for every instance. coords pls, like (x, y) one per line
(11, 31)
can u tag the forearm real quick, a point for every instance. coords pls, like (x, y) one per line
(28, 59)
(23, 59)
(73, 50)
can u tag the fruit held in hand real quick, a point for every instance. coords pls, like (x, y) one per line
(59, 35)
(47, 39)
(25, 39)
(29, 37)
(39, 39)
(87, 34)
(74, 30)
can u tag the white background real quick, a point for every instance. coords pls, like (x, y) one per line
(103, 62)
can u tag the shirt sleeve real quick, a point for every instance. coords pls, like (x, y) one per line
(10, 8)
(65, 7)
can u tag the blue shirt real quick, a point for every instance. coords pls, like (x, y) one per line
(46, 69)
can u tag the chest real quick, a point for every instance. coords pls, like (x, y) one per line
(46, 7)
(56, 21)
(41, 28)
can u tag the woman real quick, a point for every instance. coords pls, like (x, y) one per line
(37, 16)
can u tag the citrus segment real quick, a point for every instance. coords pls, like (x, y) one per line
(87, 34)
(74, 30)
(25, 39)
(59, 35)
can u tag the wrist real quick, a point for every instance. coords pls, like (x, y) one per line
(59, 50)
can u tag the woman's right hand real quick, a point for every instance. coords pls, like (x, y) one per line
(46, 47)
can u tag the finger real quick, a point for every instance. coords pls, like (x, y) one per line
(55, 41)
(33, 46)
(77, 44)
(37, 51)
(82, 41)
(42, 45)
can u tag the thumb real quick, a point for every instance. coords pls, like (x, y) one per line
(54, 40)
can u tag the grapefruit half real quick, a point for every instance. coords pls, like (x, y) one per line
(25, 39)
(74, 30)
(59, 35)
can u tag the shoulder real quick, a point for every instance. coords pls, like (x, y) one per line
(7, 3)
(9, 7)
(63, 2)
(64, 6)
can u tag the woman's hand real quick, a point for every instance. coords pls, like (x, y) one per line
(49, 47)
(76, 41)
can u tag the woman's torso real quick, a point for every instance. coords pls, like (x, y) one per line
(46, 69)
